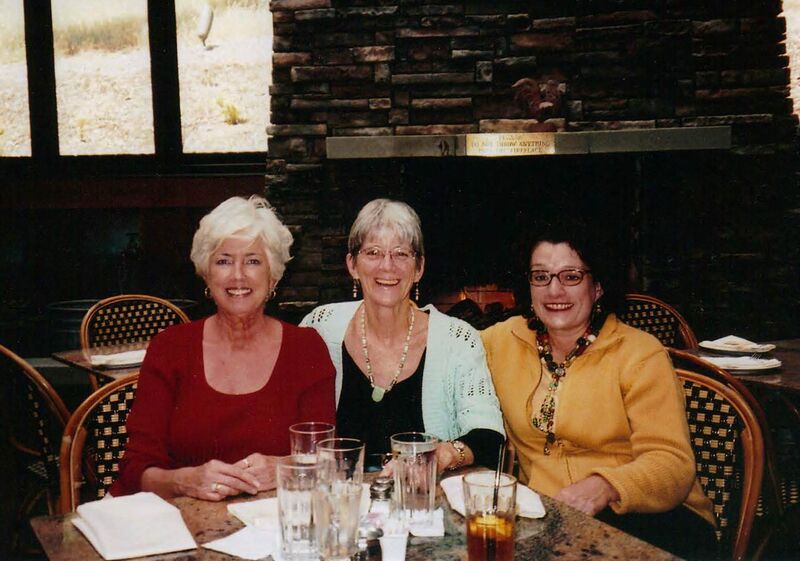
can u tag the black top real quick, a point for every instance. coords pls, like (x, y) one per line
(400, 410)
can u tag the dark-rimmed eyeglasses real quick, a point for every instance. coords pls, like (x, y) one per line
(567, 277)
(399, 255)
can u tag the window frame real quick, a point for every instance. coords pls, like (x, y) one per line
(168, 157)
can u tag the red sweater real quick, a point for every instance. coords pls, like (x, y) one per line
(179, 420)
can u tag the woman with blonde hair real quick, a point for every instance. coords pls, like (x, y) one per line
(216, 396)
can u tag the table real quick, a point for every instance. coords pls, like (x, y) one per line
(787, 377)
(79, 359)
(564, 534)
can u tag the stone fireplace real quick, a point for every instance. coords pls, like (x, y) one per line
(674, 132)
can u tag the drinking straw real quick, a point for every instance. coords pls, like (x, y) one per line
(491, 544)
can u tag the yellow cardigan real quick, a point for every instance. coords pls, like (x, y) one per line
(620, 414)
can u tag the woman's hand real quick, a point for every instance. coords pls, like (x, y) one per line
(590, 495)
(215, 480)
(263, 468)
(447, 457)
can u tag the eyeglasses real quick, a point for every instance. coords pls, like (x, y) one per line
(399, 255)
(567, 277)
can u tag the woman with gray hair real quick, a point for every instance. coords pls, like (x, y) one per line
(401, 368)
(216, 396)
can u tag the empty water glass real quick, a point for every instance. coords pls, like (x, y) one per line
(337, 497)
(303, 439)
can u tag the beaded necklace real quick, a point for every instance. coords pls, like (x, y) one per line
(377, 391)
(547, 413)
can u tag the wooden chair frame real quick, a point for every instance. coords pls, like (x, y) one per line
(752, 447)
(60, 414)
(73, 467)
(684, 330)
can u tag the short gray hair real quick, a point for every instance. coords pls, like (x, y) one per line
(386, 213)
(248, 219)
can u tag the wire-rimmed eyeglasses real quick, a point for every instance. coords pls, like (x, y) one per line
(567, 277)
(399, 255)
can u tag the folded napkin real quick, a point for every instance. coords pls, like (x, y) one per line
(734, 343)
(433, 530)
(743, 362)
(529, 505)
(249, 543)
(118, 359)
(133, 526)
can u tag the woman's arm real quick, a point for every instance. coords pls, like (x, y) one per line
(662, 471)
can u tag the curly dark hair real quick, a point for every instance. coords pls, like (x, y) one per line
(595, 251)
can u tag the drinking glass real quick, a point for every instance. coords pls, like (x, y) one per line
(415, 476)
(296, 481)
(337, 497)
(490, 523)
(303, 439)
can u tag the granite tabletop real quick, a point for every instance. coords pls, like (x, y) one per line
(563, 534)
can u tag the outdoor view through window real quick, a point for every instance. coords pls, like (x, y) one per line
(225, 69)
(15, 131)
(103, 77)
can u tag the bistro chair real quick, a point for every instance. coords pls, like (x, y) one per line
(94, 442)
(658, 318)
(126, 322)
(35, 417)
(728, 445)
(770, 509)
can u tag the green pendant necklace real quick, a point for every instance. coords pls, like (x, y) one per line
(377, 391)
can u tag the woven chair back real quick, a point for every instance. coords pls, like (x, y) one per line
(729, 452)
(94, 442)
(35, 417)
(659, 319)
(127, 321)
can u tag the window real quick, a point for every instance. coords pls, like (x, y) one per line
(135, 85)
(15, 132)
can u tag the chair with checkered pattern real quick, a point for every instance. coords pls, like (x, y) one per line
(658, 318)
(34, 416)
(729, 451)
(94, 442)
(126, 322)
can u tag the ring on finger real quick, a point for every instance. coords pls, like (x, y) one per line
(246, 463)
(215, 487)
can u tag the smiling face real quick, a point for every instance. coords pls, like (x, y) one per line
(564, 310)
(385, 282)
(239, 276)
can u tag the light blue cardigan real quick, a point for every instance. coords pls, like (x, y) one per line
(457, 391)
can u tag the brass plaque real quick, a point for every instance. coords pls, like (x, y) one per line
(511, 144)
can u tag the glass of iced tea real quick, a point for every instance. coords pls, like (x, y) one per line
(490, 516)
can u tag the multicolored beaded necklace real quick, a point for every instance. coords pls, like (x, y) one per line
(547, 413)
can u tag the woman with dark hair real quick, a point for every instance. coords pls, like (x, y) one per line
(593, 406)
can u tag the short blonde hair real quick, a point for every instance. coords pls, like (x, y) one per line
(393, 215)
(248, 219)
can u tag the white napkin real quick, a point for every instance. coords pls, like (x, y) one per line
(743, 362)
(734, 343)
(434, 530)
(116, 359)
(133, 526)
(249, 543)
(259, 512)
(529, 505)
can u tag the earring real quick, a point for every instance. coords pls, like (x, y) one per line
(207, 292)
(534, 323)
(355, 289)
(416, 291)
(596, 319)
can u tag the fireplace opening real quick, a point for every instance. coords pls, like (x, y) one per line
(473, 211)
